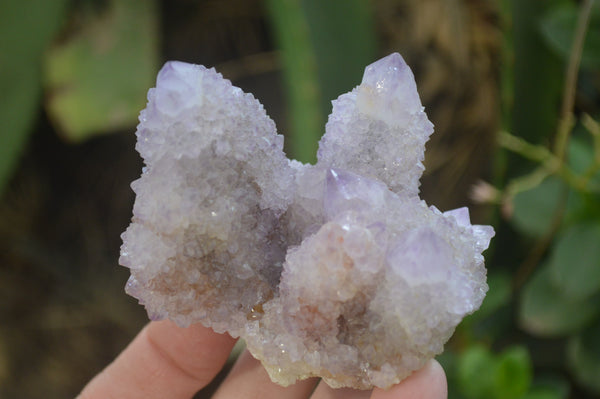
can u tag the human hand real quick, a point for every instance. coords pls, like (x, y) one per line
(165, 361)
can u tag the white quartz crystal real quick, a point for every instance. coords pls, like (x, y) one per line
(335, 270)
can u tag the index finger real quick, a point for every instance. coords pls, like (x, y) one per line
(163, 361)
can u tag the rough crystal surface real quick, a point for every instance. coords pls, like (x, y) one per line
(335, 270)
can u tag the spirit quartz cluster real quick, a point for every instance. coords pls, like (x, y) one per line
(338, 269)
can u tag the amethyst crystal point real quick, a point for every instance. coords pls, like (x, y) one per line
(335, 270)
(345, 191)
(389, 92)
(379, 129)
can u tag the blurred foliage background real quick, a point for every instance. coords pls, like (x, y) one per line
(513, 87)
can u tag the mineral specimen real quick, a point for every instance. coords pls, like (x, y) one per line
(335, 270)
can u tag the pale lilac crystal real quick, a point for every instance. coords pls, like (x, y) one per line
(379, 129)
(389, 92)
(336, 270)
(345, 191)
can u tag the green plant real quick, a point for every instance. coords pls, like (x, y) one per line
(478, 373)
(94, 80)
(556, 204)
(536, 335)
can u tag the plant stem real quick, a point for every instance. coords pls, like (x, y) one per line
(525, 149)
(550, 164)
(594, 128)
(571, 79)
(557, 159)
(527, 182)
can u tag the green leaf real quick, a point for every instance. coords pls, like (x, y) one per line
(342, 34)
(26, 28)
(538, 78)
(558, 29)
(543, 393)
(534, 209)
(476, 372)
(580, 153)
(449, 361)
(325, 46)
(98, 78)
(291, 30)
(584, 357)
(575, 261)
(582, 206)
(513, 374)
(498, 295)
(544, 310)
(581, 156)
(549, 386)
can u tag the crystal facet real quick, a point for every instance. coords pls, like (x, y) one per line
(335, 270)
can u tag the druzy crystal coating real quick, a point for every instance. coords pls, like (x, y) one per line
(338, 269)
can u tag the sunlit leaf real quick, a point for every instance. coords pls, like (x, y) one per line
(325, 46)
(291, 30)
(476, 369)
(513, 374)
(343, 36)
(575, 261)
(26, 28)
(584, 357)
(98, 78)
(546, 311)
(543, 393)
(549, 386)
